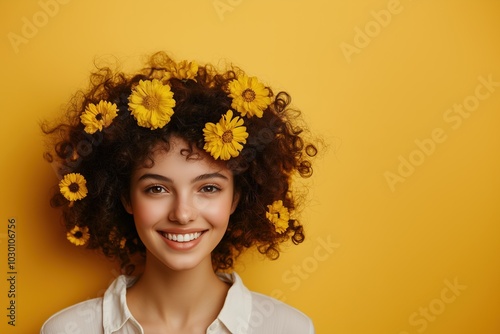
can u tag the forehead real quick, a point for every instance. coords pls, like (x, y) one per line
(178, 156)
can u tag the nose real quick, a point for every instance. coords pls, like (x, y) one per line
(183, 210)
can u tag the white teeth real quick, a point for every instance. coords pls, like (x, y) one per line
(182, 237)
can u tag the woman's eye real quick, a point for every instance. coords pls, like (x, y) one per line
(156, 190)
(210, 189)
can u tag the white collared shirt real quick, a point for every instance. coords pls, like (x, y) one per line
(244, 312)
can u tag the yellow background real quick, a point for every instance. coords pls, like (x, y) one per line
(393, 250)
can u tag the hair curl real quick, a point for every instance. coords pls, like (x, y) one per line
(275, 151)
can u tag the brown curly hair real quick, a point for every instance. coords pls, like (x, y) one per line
(274, 152)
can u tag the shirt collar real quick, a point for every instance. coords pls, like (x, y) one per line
(114, 304)
(235, 314)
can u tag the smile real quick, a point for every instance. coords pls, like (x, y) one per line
(182, 237)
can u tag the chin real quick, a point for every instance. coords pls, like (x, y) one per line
(180, 262)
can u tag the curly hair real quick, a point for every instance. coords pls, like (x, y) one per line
(275, 152)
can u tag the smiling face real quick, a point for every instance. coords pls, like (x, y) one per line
(181, 206)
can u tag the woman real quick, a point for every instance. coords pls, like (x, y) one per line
(176, 170)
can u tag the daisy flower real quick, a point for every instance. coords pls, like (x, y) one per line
(95, 117)
(249, 96)
(278, 215)
(224, 139)
(78, 235)
(183, 70)
(151, 104)
(73, 187)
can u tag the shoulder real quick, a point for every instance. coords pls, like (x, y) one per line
(108, 313)
(85, 317)
(246, 311)
(270, 315)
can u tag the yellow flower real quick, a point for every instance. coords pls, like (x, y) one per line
(249, 96)
(98, 116)
(78, 235)
(278, 215)
(73, 186)
(183, 70)
(151, 103)
(225, 138)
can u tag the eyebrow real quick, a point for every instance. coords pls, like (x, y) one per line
(196, 179)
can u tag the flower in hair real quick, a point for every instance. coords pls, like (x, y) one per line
(95, 117)
(151, 104)
(78, 236)
(224, 139)
(278, 215)
(73, 187)
(183, 70)
(249, 96)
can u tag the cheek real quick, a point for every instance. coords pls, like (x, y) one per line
(146, 213)
(217, 213)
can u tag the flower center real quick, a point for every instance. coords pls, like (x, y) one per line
(98, 116)
(227, 136)
(78, 235)
(248, 95)
(74, 187)
(151, 102)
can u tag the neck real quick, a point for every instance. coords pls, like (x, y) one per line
(176, 297)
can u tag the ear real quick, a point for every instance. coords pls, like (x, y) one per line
(126, 204)
(236, 200)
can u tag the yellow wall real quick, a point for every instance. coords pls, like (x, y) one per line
(403, 215)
